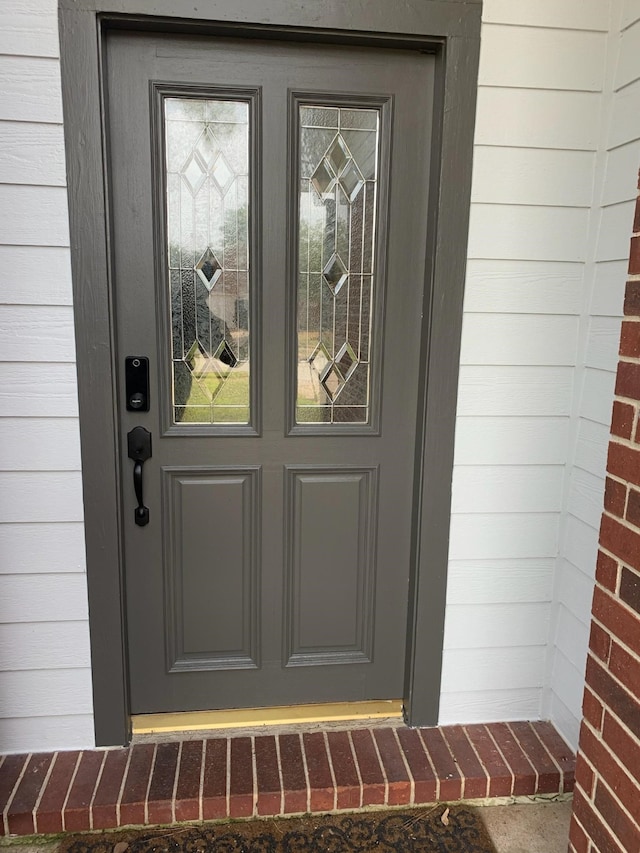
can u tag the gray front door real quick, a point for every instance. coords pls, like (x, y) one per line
(269, 257)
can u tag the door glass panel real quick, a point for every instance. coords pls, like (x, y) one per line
(207, 163)
(338, 169)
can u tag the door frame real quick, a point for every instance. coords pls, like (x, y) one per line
(450, 29)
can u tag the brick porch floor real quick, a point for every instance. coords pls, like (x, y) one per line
(278, 774)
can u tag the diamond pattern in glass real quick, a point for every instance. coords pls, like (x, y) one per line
(225, 354)
(193, 173)
(351, 180)
(207, 147)
(346, 360)
(323, 179)
(222, 174)
(209, 269)
(332, 382)
(320, 359)
(338, 154)
(335, 273)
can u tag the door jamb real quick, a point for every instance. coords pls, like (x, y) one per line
(448, 28)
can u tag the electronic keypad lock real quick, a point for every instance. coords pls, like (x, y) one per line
(136, 376)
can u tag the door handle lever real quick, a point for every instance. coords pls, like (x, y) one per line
(139, 445)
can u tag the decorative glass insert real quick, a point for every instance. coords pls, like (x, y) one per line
(207, 161)
(338, 169)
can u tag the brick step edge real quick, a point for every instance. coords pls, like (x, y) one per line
(274, 775)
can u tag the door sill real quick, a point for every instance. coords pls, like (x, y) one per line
(190, 721)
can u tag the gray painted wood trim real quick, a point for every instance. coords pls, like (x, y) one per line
(90, 259)
(455, 101)
(449, 27)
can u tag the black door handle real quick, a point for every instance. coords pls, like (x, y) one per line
(139, 442)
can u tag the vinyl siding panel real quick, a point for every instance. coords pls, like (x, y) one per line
(541, 110)
(45, 679)
(32, 154)
(29, 28)
(542, 58)
(511, 441)
(615, 182)
(17, 264)
(31, 89)
(523, 287)
(570, 14)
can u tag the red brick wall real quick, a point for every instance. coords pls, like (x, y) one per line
(606, 814)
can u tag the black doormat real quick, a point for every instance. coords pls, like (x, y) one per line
(436, 830)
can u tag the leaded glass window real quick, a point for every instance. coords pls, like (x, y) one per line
(207, 162)
(338, 171)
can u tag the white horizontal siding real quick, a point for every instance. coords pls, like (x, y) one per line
(507, 488)
(621, 167)
(39, 444)
(490, 706)
(630, 14)
(627, 70)
(32, 154)
(55, 645)
(584, 500)
(572, 638)
(43, 598)
(37, 333)
(21, 279)
(533, 118)
(45, 680)
(29, 28)
(46, 734)
(43, 693)
(31, 89)
(18, 224)
(603, 342)
(499, 581)
(532, 176)
(626, 107)
(610, 228)
(542, 58)
(523, 287)
(511, 441)
(37, 548)
(514, 391)
(539, 123)
(616, 224)
(493, 669)
(28, 496)
(38, 390)
(488, 626)
(591, 447)
(519, 339)
(574, 589)
(528, 233)
(579, 541)
(570, 14)
(503, 536)
(597, 395)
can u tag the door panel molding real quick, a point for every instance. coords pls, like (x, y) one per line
(227, 636)
(450, 29)
(341, 558)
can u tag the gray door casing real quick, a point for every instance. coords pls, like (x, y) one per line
(449, 30)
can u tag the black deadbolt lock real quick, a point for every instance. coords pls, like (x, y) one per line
(136, 375)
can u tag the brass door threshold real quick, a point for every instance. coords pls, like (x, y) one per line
(243, 718)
